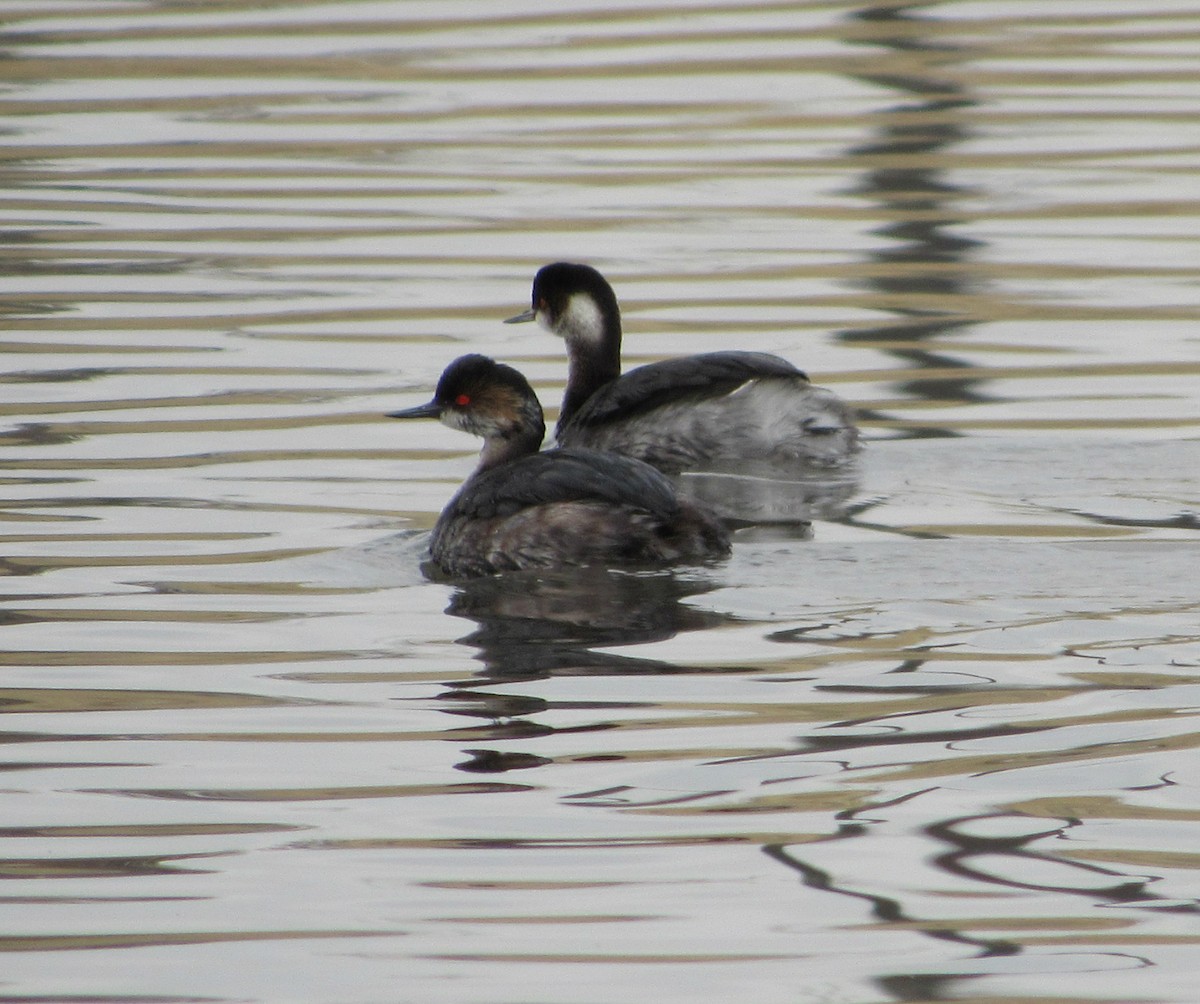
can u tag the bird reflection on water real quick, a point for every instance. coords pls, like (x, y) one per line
(533, 625)
(536, 625)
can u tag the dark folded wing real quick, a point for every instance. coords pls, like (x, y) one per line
(709, 374)
(565, 475)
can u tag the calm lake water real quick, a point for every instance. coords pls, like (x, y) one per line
(940, 749)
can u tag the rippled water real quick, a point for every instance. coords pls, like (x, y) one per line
(941, 749)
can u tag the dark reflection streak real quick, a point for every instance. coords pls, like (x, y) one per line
(903, 737)
(12, 738)
(26, 309)
(72, 267)
(494, 762)
(901, 986)
(1182, 520)
(536, 625)
(113, 867)
(883, 908)
(73, 375)
(6, 768)
(924, 987)
(917, 198)
(967, 846)
(854, 512)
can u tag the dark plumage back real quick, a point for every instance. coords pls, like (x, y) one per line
(567, 475)
(524, 509)
(571, 507)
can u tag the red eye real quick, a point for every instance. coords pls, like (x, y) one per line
(462, 400)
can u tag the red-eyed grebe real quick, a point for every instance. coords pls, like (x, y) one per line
(571, 506)
(686, 413)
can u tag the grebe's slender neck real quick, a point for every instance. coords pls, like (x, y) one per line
(511, 444)
(592, 331)
(585, 376)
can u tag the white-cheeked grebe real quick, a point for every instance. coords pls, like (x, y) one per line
(685, 413)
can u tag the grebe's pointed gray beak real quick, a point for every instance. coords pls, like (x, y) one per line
(529, 315)
(430, 410)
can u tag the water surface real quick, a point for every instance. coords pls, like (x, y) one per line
(939, 748)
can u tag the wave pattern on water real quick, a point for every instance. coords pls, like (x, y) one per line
(942, 745)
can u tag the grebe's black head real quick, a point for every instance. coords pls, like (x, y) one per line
(485, 398)
(577, 303)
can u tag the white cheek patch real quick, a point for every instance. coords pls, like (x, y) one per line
(456, 420)
(582, 320)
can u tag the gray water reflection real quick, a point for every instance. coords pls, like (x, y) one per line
(532, 626)
(941, 746)
(928, 258)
